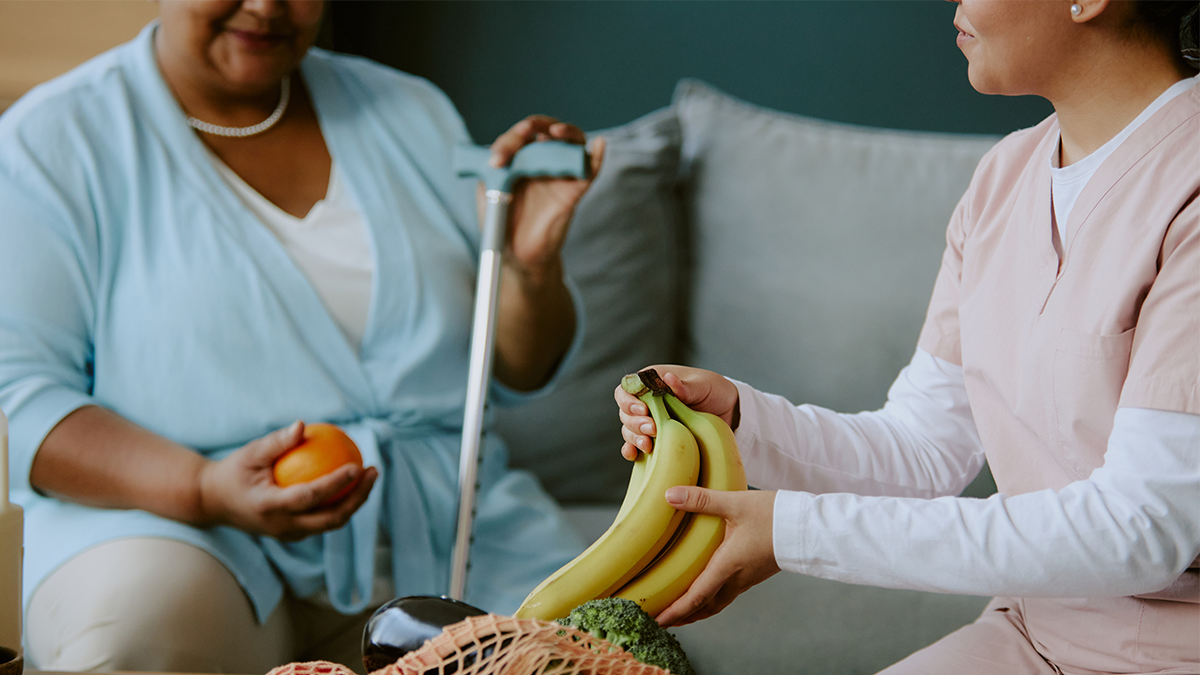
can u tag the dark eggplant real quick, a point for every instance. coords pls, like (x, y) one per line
(404, 624)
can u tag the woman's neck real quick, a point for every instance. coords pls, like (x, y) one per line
(1100, 99)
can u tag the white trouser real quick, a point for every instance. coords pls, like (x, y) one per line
(151, 604)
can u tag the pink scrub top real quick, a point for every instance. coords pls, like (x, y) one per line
(1051, 346)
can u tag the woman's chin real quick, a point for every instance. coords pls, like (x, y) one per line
(253, 78)
(251, 71)
(981, 83)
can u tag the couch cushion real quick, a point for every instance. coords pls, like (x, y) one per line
(814, 245)
(621, 252)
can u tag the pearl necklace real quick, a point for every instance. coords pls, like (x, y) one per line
(242, 132)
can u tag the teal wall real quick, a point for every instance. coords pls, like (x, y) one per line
(599, 63)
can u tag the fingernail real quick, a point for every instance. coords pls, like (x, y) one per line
(639, 409)
(676, 496)
(646, 428)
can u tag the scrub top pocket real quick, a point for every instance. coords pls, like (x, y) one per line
(1089, 371)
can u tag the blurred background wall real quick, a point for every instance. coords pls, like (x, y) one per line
(599, 63)
(40, 39)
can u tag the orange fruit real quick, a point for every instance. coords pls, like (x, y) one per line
(324, 448)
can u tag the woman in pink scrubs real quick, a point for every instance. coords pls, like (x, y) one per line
(1062, 345)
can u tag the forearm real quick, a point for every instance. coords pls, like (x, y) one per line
(97, 458)
(1131, 528)
(922, 443)
(535, 324)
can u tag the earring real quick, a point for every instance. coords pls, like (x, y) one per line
(1076, 9)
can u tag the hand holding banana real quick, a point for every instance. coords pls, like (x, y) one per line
(702, 390)
(652, 552)
(745, 558)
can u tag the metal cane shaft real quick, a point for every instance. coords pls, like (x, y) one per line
(483, 338)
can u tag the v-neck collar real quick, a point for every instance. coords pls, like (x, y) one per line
(1114, 167)
(275, 213)
(1123, 158)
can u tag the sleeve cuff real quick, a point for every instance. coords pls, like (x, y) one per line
(788, 540)
(31, 418)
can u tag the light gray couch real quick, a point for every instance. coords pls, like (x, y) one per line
(795, 254)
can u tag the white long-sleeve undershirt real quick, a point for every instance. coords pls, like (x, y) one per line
(868, 498)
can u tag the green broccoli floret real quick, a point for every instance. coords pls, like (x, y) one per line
(625, 624)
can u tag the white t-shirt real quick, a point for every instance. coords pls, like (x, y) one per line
(329, 245)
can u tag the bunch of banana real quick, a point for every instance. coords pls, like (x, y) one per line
(652, 553)
(668, 577)
(640, 531)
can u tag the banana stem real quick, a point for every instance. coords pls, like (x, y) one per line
(650, 388)
(632, 384)
(643, 381)
(658, 408)
(654, 383)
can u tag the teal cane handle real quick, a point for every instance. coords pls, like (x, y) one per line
(547, 159)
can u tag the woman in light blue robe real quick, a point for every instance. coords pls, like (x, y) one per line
(133, 281)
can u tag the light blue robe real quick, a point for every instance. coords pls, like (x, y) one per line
(132, 277)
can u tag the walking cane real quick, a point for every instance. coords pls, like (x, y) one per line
(548, 159)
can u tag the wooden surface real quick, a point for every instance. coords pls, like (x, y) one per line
(40, 39)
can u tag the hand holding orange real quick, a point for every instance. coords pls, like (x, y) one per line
(324, 449)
